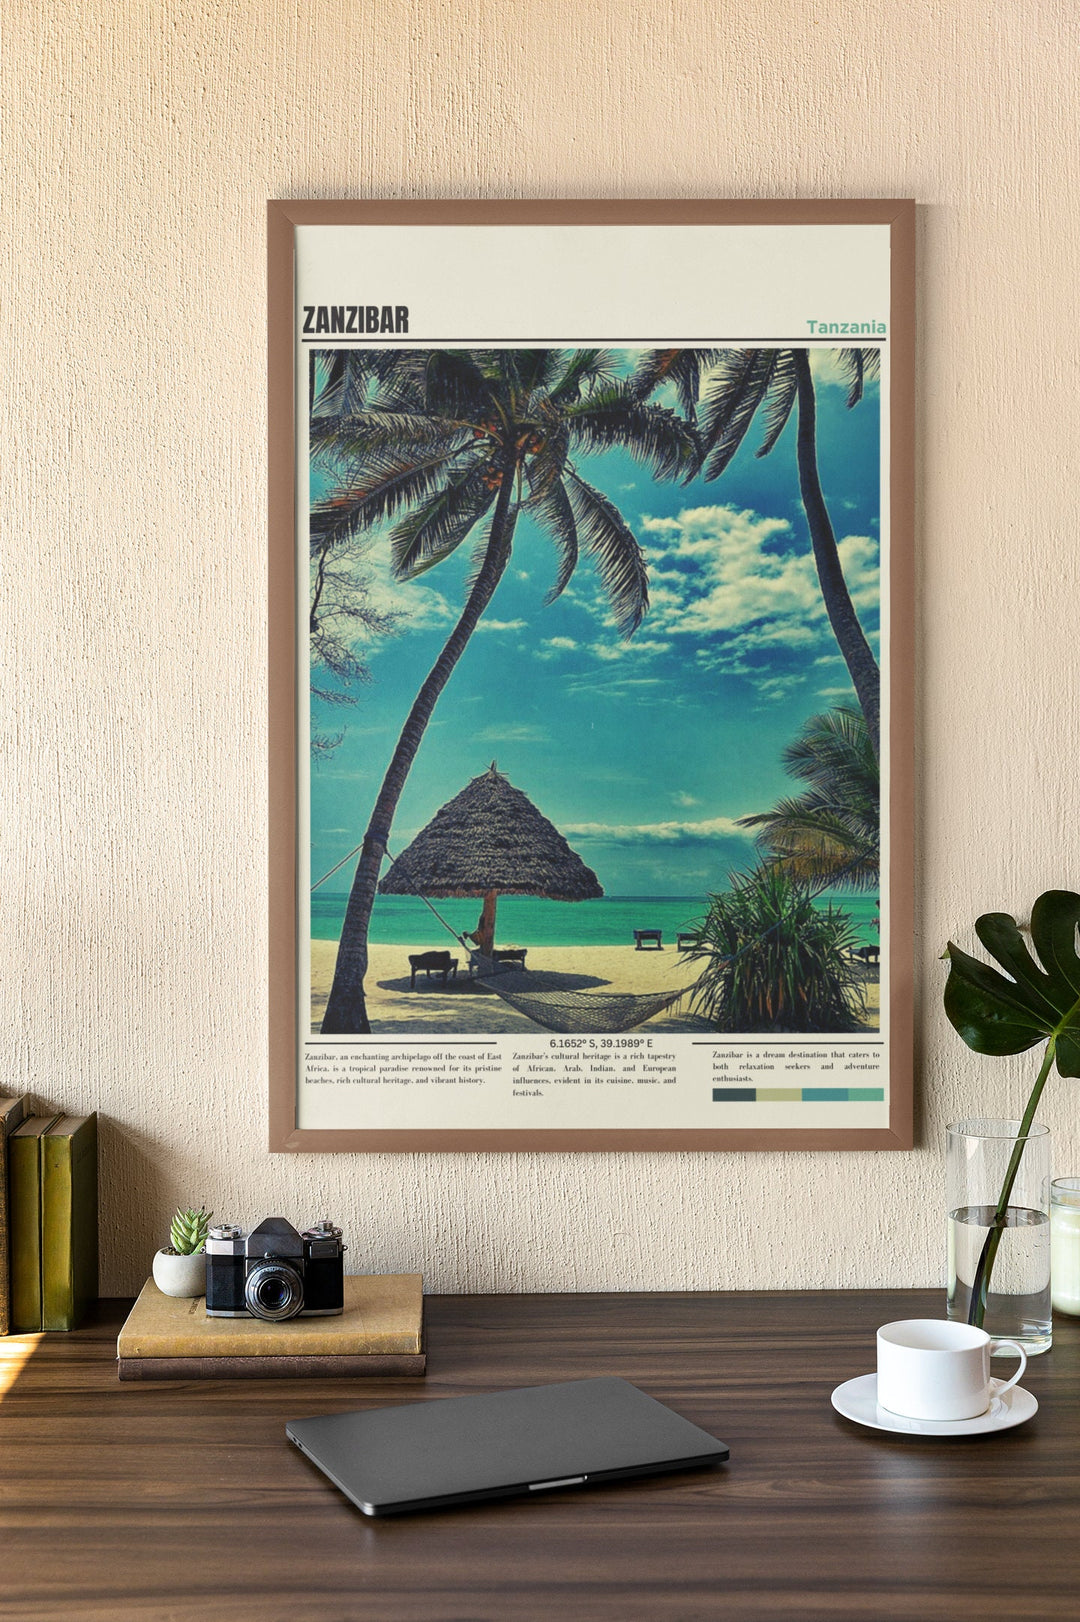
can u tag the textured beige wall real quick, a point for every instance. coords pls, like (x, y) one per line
(140, 142)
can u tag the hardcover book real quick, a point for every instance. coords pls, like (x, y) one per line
(13, 1111)
(380, 1332)
(69, 1238)
(24, 1174)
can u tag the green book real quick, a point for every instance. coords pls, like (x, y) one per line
(13, 1111)
(69, 1237)
(24, 1207)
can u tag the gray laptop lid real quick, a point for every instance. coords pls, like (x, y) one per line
(458, 1449)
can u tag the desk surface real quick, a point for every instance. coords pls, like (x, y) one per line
(184, 1502)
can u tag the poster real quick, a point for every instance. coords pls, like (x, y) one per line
(591, 675)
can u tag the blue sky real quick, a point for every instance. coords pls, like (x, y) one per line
(643, 753)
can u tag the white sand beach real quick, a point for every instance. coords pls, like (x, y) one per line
(464, 1007)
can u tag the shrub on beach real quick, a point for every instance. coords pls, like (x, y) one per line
(772, 961)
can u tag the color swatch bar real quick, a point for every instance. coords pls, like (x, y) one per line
(798, 1095)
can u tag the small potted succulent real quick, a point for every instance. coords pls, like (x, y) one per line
(180, 1268)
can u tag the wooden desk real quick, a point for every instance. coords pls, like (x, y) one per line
(171, 1503)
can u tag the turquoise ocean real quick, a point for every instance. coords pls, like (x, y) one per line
(404, 920)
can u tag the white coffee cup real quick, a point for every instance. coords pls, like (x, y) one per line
(937, 1369)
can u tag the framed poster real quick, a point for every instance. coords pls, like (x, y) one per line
(591, 675)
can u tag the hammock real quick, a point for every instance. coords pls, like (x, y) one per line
(543, 999)
(570, 1013)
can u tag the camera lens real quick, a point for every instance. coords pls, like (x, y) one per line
(273, 1291)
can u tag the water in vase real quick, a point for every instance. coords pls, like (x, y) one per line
(1019, 1303)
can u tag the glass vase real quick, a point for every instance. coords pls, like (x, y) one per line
(1065, 1245)
(978, 1153)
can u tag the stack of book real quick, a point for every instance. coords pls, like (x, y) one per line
(48, 1218)
(380, 1332)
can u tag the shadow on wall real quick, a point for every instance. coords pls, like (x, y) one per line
(137, 1196)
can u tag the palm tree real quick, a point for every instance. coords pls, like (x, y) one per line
(830, 835)
(732, 385)
(453, 444)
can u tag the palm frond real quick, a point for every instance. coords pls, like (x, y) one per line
(532, 369)
(552, 510)
(326, 382)
(834, 744)
(779, 399)
(611, 418)
(429, 533)
(337, 439)
(620, 562)
(387, 484)
(735, 389)
(859, 365)
(682, 368)
(596, 367)
(546, 466)
(832, 831)
(456, 387)
(820, 843)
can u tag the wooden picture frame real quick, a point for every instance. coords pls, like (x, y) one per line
(407, 1126)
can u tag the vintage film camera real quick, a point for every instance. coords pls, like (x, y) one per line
(274, 1272)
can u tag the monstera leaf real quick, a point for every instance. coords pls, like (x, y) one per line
(1032, 1001)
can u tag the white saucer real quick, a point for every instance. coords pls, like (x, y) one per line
(857, 1400)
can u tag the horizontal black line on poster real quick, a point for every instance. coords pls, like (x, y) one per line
(561, 343)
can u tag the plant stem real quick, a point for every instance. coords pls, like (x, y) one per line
(980, 1285)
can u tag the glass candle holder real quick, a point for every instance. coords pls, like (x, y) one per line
(1065, 1245)
(977, 1159)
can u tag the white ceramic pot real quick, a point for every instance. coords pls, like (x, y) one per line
(180, 1275)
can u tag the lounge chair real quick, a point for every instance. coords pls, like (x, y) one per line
(643, 935)
(478, 963)
(432, 963)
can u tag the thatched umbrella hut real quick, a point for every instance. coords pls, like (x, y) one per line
(490, 840)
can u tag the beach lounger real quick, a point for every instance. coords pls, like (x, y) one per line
(868, 954)
(502, 954)
(685, 936)
(432, 963)
(643, 935)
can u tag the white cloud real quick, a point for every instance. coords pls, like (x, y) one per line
(561, 642)
(685, 800)
(667, 833)
(520, 732)
(745, 579)
(775, 688)
(501, 625)
(619, 650)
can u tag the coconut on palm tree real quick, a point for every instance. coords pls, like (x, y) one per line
(732, 386)
(830, 834)
(446, 445)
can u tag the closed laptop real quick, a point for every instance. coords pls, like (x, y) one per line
(464, 1449)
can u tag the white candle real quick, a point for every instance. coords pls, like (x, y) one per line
(1065, 1244)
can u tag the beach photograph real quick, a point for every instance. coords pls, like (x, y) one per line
(594, 693)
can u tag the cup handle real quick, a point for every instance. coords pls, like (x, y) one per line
(1009, 1346)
